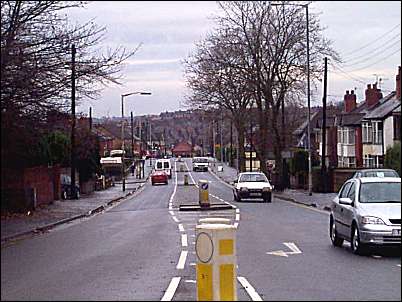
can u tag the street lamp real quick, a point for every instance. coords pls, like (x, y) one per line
(308, 91)
(122, 132)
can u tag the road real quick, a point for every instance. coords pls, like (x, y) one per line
(143, 249)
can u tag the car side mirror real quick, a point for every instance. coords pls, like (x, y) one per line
(346, 201)
(235, 181)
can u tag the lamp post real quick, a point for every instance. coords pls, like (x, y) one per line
(122, 133)
(308, 91)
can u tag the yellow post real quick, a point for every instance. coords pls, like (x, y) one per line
(203, 193)
(216, 262)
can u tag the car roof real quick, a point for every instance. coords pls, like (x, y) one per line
(374, 170)
(380, 179)
(256, 172)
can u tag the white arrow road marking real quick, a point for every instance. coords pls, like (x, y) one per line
(294, 250)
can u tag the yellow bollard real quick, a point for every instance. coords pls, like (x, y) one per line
(185, 179)
(203, 193)
(216, 262)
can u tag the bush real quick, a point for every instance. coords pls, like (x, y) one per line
(393, 158)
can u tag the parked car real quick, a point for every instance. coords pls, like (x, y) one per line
(65, 183)
(159, 177)
(164, 165)
(367, 212)
(251, 185)
(200, 164)
(375, 173)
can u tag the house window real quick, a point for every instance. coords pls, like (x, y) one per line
(367, 134)
(377, 133)
(368, 161)
(349, 162)
(397, 127)
(346, 135)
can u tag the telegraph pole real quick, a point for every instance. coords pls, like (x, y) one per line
(324, 125)
(221, 137)
(251, 146)
(73, 191)
(231, 144)
(90, 118)
(132, 135)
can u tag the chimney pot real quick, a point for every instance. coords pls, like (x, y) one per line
(352, 92)
(347, 91)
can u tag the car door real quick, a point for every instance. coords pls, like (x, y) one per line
(339, 208)
(348, 210)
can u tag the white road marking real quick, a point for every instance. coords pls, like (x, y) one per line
(238, 216)
(182, 260)
(294, 250)
(190, 281)
(175, 219)
(184, 240)
(170, 291)
(193, 264)
(398, 265)
(171, 213)
(181, 229)
(237, 210)
(236, 224)
(250, 290)
(376, 256)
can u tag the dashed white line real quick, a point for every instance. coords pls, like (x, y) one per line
(250, 290)
(190, 281)
(181, 228)
(237, 216)
(170, 291)
(182, 260)
(237, 210)
(184, 240)
(236, 225)
(175, 219)
(171, 213)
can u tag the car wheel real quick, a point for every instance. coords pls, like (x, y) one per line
(336, 241)
(357, 247)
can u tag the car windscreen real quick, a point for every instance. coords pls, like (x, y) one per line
(375, 192)
(200, 160)
(381, 174)
(253, 178)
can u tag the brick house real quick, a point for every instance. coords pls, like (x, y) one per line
(183, 149)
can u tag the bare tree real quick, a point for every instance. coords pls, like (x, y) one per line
(214, 75)
(36, 40)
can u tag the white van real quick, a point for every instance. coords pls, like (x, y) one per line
(164, 165)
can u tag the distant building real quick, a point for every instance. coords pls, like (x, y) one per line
(183, 149)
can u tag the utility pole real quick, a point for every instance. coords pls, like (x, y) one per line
(308, 105)
(73, 191)
(132, 135)
(221, 137)
(251, 145)
(231, 144)
(90, 118)
(213, 138)
(324, 125)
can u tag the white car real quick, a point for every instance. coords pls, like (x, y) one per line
(251, 185)
(200, 164)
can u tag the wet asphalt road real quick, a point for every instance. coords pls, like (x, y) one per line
(132, 251)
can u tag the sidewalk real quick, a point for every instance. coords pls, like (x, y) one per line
(321, 201)
(61, 211)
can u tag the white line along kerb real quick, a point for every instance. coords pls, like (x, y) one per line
(184, 240)
(250, 290)
(174, 283)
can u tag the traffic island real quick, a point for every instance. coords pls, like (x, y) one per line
(212, 207)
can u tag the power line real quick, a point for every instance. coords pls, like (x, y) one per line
(353, 77)
(371, 43)
(378, 60)
(372, 53)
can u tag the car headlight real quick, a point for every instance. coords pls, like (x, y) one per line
(243, 189)
(371, 220)
(266, 189)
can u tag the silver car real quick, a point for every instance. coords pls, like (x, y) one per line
(367, 212)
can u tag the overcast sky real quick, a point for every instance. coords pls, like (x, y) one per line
(367, 34)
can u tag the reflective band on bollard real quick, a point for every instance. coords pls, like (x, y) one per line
(203, 193)
(214, 220)
(216, 262)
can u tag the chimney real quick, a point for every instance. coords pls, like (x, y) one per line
(398, 84)
(373, 95)
(349, 101)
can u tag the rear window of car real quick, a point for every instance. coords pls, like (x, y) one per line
(159, 165)
(381, 174)
(166, 165)
(380, 192)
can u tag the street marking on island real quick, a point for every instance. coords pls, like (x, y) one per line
(174, 283)
(290, 245)
(250, 290)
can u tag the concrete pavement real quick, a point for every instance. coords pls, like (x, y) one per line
(321, 201)
(61, 211)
